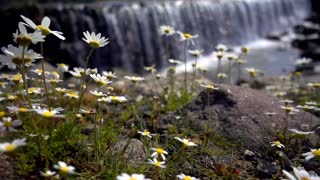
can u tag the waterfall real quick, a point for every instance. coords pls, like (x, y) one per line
(133, 28)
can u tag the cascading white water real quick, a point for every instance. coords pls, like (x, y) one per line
(133, 28)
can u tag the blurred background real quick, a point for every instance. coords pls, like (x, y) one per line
(277, 31)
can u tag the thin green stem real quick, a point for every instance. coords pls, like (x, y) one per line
(81, 92)
(23, 74)
(194, 74)
(43, 76)
(218, 69)
(185, 66)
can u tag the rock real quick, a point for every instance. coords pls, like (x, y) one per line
(237, 114)
(133, 151)
(88, 129)
(7, 168)
(312, 165)
(266, 169)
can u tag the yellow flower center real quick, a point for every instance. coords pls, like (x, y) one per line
(7, 123)
(187, 178)
(157, 163)
(2, 113)
(252, 73)
(48, 114)
(187, 36)
(159, 151)
(45, 30)
(72, 94)
(19, 61)
(10, 148)
(94, 44)
(244, 50)
(47, 174)
(23, 109)
(146, 132)
(64, 169)
(305, 178)
(12, 97)
(278, 143)
(63, 65)
(316, 152)
(23, 40)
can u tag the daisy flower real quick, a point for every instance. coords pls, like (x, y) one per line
(306, 107)
(270, 113)
(166, 30)
(175, 62)
(97, 94)
(203, 69)
(286, 101)
(95, 40)
(312, 154)
(125, 176)
(303, 61)
(195, 53)
(222, 75)
(298, 132)
(252, 72)
(300, 175)
(151, 69)
(231, 56)
(240, 61)
(313, 85)
(89, 111)
(186, 142)
(3, 84)
(62, 67)
(244, 50)
(157, 152)
(64, 168)
(79, 72)
(157, 163)
(146, 133)
(61, 90)
(110, 75)
(289, 109)
(100, 80)
(221, 48)
(277, 143)
(72, 94)
(34, 90)
(24, 38)
(209, 86)
(12, 97)
(47, 174)
(8, 125)
(49, 113)
(134, 79)
(312, 103)
(187, 37)
(219, 54)
(43, 27)
(113, 99)
(13, 56)
(10, 147)
(186, 177)
(37, 71)
(15, 109)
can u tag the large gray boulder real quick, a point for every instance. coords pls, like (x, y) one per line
(236, 113)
